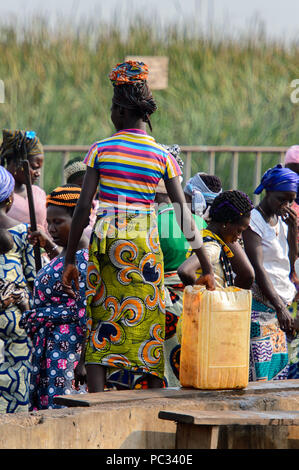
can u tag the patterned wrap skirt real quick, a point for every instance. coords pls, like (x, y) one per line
(174, 290)
(268, 345)
(293, 347)
(126, 299)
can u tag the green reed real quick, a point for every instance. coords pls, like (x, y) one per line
(221, 91)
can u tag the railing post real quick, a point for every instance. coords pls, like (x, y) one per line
(212, 163)
(41, 181)
(235, 170)
(282, 157)
(65, 159)
(257, 176)
(188, 166)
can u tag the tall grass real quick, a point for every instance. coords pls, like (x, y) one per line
(221, 91)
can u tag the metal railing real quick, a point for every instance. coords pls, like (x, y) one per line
(213, 153)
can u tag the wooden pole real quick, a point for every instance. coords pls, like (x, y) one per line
(33, 225)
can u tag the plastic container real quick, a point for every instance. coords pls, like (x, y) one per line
(215, 338)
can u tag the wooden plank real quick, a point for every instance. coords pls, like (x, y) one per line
(94, 399)
(235, 170)
(252, 418)
(253, 388)
(2, 92)
(190, 436)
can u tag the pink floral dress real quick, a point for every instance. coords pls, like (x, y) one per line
(56, 326)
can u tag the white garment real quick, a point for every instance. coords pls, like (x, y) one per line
(275, 253)
(1, 351)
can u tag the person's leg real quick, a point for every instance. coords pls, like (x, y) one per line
(154, 382)
(96, 378)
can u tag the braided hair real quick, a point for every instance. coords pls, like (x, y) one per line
(212, 182)
(136, 97)
(74, 169)
(230, 207)
(131, 89)
(65, 196)
(19, 145)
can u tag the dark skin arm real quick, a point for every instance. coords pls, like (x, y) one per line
(79, 222)
(290, 218)
(254, 251)
(187, 271)
(241, 266)
(190, 231)
(44, 241)
(80, 370)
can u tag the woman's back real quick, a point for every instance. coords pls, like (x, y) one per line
(131, 165)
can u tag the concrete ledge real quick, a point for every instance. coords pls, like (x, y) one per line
(254, 388)
(129, 420)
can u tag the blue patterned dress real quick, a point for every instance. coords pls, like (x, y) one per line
(15, 266)
(56, 326)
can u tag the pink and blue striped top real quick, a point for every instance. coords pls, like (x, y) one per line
(131, 164)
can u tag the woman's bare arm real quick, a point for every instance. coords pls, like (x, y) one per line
(79, 222)
(254, 251)
(189, 229)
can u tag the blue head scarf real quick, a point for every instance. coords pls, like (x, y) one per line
(279, 179)
(7, 184)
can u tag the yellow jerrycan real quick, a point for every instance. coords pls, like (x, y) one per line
(215, 338)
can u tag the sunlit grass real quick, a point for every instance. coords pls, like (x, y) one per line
(221, 91)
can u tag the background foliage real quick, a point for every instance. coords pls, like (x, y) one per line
(221, 91)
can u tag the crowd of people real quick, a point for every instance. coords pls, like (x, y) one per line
(118, 243)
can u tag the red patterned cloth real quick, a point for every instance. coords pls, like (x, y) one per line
(129, 73)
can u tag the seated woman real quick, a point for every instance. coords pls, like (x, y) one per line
(16, 146)
(229, 217)
(17, 274)
(56, 324)
(271, 245)
(200, 191)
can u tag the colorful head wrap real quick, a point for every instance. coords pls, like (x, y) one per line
(129, 73)
(278, 179)
(201, 195)
(292, 155)
(131, 90)
(7, 184)
(22, 143)
(74, 168)
(65, 196)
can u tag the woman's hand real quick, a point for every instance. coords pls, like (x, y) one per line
(289, 216)
(70, 274)
(207, 280)
(41, 238)
(286, 322)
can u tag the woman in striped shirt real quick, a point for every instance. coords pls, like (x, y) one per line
(125, 279)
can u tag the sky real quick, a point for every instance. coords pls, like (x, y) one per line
(280, 17)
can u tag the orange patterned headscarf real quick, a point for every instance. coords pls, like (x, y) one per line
(65, 196)
(129, 73)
